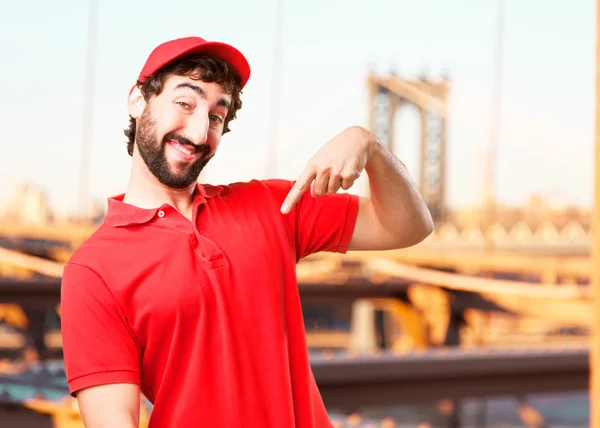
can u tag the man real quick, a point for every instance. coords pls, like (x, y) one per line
(187, 292)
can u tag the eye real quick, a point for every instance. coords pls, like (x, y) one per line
(216, 119)
(184, 105)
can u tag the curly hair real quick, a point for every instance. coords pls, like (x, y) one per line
(207, 68)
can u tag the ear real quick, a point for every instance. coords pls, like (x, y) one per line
(136, 102)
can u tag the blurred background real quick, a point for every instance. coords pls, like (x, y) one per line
(490, 104)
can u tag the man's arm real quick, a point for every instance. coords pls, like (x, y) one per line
(395, 216)
(111, 405)
(101, 353)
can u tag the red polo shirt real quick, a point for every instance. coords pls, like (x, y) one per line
(205, 315)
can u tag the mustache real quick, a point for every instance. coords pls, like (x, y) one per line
(204, 148)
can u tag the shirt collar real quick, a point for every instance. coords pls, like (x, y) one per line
(120, 213)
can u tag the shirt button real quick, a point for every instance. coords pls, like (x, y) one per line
(161, 214)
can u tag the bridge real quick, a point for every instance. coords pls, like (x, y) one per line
(406, 284)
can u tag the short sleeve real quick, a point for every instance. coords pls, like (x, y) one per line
(98, 345)
(319, 224)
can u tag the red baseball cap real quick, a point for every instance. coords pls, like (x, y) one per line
(169, 51)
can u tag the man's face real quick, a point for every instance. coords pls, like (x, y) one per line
(179, 130)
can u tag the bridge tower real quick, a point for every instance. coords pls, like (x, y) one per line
(387, 94)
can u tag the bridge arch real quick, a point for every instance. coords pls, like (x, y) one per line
(389, 93)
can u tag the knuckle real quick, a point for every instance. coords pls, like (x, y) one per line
(335, 172)
(351, 175)
(325, 169)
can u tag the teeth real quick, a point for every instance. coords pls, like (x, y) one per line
(182, 149)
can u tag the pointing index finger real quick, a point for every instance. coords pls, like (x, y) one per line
(298, 189)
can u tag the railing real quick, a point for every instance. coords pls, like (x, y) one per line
(348, 382)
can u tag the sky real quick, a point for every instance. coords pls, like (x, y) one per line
(329, 46)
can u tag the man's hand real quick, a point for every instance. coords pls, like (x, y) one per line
(337, 164)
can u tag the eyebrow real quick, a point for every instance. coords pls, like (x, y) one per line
(223, 102)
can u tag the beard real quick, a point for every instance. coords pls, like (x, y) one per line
(153, 152)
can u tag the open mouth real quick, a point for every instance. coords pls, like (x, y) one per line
(186, 149)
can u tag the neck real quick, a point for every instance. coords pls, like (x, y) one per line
(145, 191)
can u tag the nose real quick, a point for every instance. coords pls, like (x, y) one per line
(197, 128)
